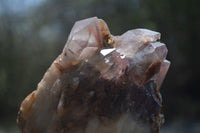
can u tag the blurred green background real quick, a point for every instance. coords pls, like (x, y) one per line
(33, 33)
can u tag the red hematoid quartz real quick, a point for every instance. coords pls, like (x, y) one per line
(100, 83)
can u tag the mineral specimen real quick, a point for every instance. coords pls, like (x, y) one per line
(100, 84)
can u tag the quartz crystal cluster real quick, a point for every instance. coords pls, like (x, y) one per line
(100, 83)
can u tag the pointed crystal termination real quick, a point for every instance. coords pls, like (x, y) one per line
(100, 84)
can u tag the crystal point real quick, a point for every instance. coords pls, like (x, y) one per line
(100, 84)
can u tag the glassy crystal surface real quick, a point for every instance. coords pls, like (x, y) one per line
(100, 83)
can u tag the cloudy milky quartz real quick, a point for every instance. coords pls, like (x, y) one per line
(100, 83)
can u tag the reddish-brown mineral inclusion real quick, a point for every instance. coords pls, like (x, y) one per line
(100, 83)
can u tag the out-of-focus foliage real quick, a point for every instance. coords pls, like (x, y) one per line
(33, 33)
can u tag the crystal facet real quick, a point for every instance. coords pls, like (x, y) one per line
(100, 84)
